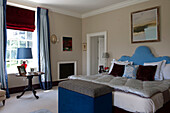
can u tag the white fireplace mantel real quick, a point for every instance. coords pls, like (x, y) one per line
(66, 62)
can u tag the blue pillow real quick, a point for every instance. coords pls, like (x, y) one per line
(130, 71)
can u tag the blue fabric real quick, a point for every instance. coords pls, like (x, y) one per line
(38, 36)
(130, 71)
(3, 44)
(73, 102)
(24, 53)
(144, 55)
(44, 48)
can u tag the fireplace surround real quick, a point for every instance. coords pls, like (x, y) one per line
(66, 68)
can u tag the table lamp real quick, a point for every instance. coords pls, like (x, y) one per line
(106, 56)
(24, 53)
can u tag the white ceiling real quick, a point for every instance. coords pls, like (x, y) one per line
(79, 8)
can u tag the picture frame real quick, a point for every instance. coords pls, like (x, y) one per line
(21, 70)
(84, 46)
(67, 43)
(145, 25)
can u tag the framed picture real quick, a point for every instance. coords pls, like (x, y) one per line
(67, 43)
(145, 25)
(84, 46)
(21, 70)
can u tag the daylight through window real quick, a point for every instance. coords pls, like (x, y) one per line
(20, 39)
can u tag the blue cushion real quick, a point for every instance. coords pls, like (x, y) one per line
(130, 71)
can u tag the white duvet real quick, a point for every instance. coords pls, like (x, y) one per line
(141, 88)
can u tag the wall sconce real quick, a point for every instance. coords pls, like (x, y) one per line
(54, 39)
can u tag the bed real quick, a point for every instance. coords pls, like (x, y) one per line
(133, 95)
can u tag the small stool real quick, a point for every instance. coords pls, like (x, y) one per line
(77, 96)
(2, 96)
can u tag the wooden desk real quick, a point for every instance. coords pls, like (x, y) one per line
(29, 76)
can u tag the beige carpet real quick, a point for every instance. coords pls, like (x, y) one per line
(28, 103)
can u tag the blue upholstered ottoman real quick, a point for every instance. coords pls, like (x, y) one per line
(76, 96)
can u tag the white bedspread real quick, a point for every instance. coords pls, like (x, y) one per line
(141, 88)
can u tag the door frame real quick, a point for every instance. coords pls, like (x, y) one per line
(89, 36)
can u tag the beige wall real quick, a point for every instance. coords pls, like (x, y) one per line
(61, 25)
(117, 23)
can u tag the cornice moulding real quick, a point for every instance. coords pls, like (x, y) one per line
(112, 7)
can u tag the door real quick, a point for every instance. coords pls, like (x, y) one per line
(96, 46)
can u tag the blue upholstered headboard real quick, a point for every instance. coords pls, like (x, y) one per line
(143, 54)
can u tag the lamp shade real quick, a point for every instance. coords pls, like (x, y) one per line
(24, 53)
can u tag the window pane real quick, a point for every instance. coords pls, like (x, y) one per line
(13, 67)
(13, 54)
(14, 63)
(8, 44)
(15, 34)
(22, 44)
(8, 54)
(29, 44)
(10, 34)
(22, 34)
(29, 35)
(14, 44)
(7, 65)
(16, 39)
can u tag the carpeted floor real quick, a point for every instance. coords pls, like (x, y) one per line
(41, 111)
(28, 103)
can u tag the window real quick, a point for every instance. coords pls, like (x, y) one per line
(20, 39)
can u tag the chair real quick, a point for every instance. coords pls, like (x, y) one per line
(2, 95)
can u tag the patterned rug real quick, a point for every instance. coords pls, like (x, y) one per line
(42, 111)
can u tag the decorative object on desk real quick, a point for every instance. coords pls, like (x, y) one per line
(24, 53)
(84, 46)
(67, 43)
(21, 70)
(101, 68)
(145, 25)
(106, 69)
(54, 38)
(32, 69)
(24, 64)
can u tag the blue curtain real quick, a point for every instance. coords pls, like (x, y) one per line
(3, 44)
(44, 48)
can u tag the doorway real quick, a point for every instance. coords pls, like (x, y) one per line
(96, 46)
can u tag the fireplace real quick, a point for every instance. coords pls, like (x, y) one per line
(66, 68)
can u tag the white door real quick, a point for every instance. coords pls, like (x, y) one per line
(94, 55)
(95, 52)
(101, 61)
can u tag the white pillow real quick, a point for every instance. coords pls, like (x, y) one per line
(118, 62)
(166, 71)
(159, 70)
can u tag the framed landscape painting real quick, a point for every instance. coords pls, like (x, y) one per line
(145, 25)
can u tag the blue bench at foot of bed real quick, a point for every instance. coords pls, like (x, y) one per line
(75, 98)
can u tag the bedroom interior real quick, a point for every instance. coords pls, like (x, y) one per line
(116, 19)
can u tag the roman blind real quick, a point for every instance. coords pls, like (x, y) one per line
(20, 19)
